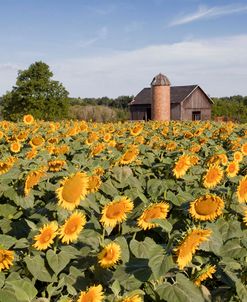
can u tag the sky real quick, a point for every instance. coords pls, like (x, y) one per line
(99, 48)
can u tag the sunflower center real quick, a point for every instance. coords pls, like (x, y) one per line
(128, 155)
(243, 189)
(231, 168)
(71, 228)
(206, 207)
(212, 175)
(72, 189)
(115, 210)
(37, 141)
(89, 297)
(153, 213)
(46, 236)
(109, 254)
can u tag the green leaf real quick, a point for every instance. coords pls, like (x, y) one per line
(115, 287)
(7, 210)
(142, 249)
(37, 268)
(58, 261)
(241, 291)
(7, 295)
(163, 223)
(155, 188)
(183, 290)
(108, 188)
(24, 290)
(2, 278)
(124, 248)
(121, 174)
(160, 264)
(7, 241)
(234, 249)
(170, 196)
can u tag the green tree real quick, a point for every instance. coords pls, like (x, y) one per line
(37, 94)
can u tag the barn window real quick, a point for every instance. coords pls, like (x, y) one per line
(196, 115)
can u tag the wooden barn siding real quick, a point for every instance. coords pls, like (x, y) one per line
(175, 112)
(196, 102)
(137, 112)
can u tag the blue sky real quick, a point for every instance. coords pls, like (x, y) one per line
(115, 47)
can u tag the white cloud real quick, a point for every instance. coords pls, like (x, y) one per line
(218, 65)
(101, 34)
(204, 12)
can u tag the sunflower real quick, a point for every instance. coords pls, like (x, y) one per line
(195, 148)
(223, 159)
(53, 140)
(244, 148)
(4, 167)
(46, 236)
(213, 176)
(72, 189)
(37, 141)
(115, 211)
(171, 146)
(165, 131)
(181, 166)
(92, 137)
(22, 136)
(107, 137)
(129, 156)
(98, 171)
(33, 179)
(136, 130)
(245, 217)
(188, 134)
(15, 147)
(207, 207)
(1, 134)
(238, 156)
(93, 294)
(28, 119)
(112, 143)
(72, 227)
(204, 274)
(242, 190)
(97, 149)
(154, 211)
(232, 169)
(132, 298)
(189, 245)
(31, 154)
(63, 149)
(110, 255)
(6, 259)
(194, 159)
(94, 183)
(56, 165)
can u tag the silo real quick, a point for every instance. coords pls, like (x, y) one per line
(161, 102)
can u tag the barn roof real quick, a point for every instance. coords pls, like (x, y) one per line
(178, 94)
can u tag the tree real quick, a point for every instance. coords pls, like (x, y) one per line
(37, 94)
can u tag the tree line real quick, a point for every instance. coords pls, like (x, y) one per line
(36, 93)
(231, 108)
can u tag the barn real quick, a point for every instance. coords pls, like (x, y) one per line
(165, 102)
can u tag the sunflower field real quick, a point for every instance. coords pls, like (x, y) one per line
(126, 212)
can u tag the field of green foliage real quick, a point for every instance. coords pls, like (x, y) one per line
(126, 212)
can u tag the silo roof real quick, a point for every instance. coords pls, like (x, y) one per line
(160, 80)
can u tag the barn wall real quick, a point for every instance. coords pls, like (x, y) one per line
(139, 112)
(196, 102)
(175, 112)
